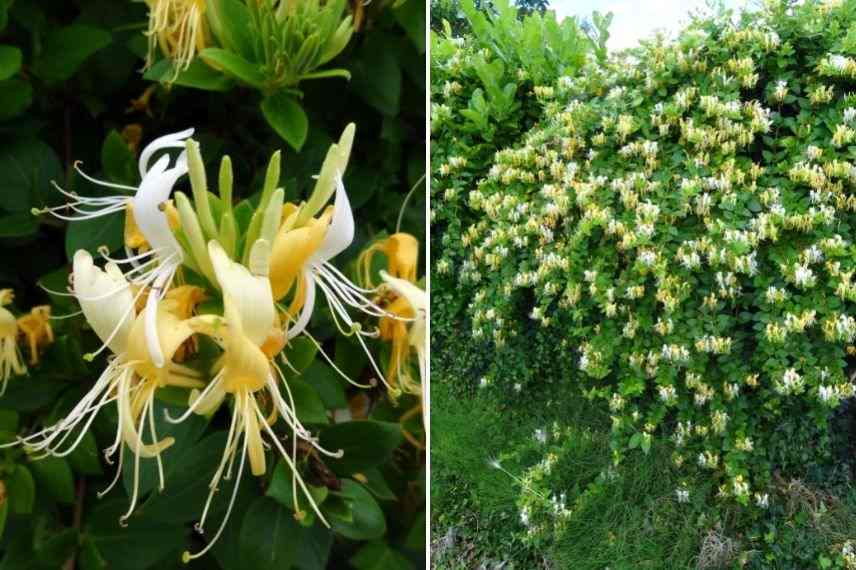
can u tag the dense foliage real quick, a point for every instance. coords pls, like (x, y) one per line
(676, 228)
(76, 88)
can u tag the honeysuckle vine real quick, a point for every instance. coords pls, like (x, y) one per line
(679, 221)
(146, 309)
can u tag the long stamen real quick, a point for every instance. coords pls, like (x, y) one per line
(195, 403)
(187, 556)
(292, 465)
(77, 164)
(154, 435)
(333, 364)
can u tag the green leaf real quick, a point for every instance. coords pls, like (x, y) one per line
(90, 558)
(19, 224)
(300, 353)
(10, 61)
(56, 548)
(411, 16)
(85, 459)
(65, 49)
(351, 438)
(234, 65)
(54, 475)
(268, 536)
(21, 490)
(114, 542)
(377, 74)
(378, 555)
(26, 169)
(367, 520)
(16, 95)
(282, 491)
(117, 160)
(376, 483)
(91, 234)
(314, 548)
(185, 433)
(327, 383)
(198, 75)
(307, 403)
(287, 118)
(232, 24)
(9, 420)
(4, 512)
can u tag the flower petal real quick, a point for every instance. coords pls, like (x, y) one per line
(173, 140)
(251, 294)
(106, 300)
(340, 234)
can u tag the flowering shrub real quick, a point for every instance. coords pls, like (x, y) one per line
(188, 365)
(679, 221)
(483, 96)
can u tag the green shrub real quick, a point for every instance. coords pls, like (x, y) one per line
(679, 224)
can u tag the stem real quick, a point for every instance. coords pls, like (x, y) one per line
(78, 518)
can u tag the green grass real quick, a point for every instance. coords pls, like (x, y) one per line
(629, 519)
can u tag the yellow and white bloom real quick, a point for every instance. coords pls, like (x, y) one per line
(11, 361)
(160, 254)
(180, 28)
(301, 262)
(130, 379)
(250, 337)
(416, 338)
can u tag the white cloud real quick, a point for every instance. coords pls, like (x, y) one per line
(635, 19)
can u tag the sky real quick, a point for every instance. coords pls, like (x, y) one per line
(635, 19)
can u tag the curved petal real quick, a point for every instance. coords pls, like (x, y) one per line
(308, 305)
(340, 234)
(150, 218)
(106, 300)
(173, 140)
(251, 294)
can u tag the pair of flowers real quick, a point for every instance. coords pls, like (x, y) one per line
(149, 324)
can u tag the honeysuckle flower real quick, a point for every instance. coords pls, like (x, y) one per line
(130, 378)
(180, 28)
(417, 338)
(402, 252)
(250, 337)
(300, 260)
(161, 255)
(11, 361)
(36, 328)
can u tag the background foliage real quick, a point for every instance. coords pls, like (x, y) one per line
(492, 190)
(72, 89)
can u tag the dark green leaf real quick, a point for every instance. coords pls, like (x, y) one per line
(65, 49)
(367, 520)
(21, 490)
(53, 475)
(327, 383)
(287, 118)
(27, 168)
(20, 224)
(300, 353)
(377, 74)
(307, 403)
(16, 95)
(117, 160)
(91, 234)
(351, 438)
(269, 536)
(10, 61)
(378, 555)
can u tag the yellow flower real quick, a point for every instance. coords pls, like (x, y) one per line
(250, 336)
(417, 335)
(36, 327)
(11, 361)
(131, 377)
(402, 253)
(180, 28)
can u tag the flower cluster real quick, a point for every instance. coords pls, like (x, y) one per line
(268, 271)
(681, 217)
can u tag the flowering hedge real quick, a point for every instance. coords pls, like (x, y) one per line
(679, 222)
